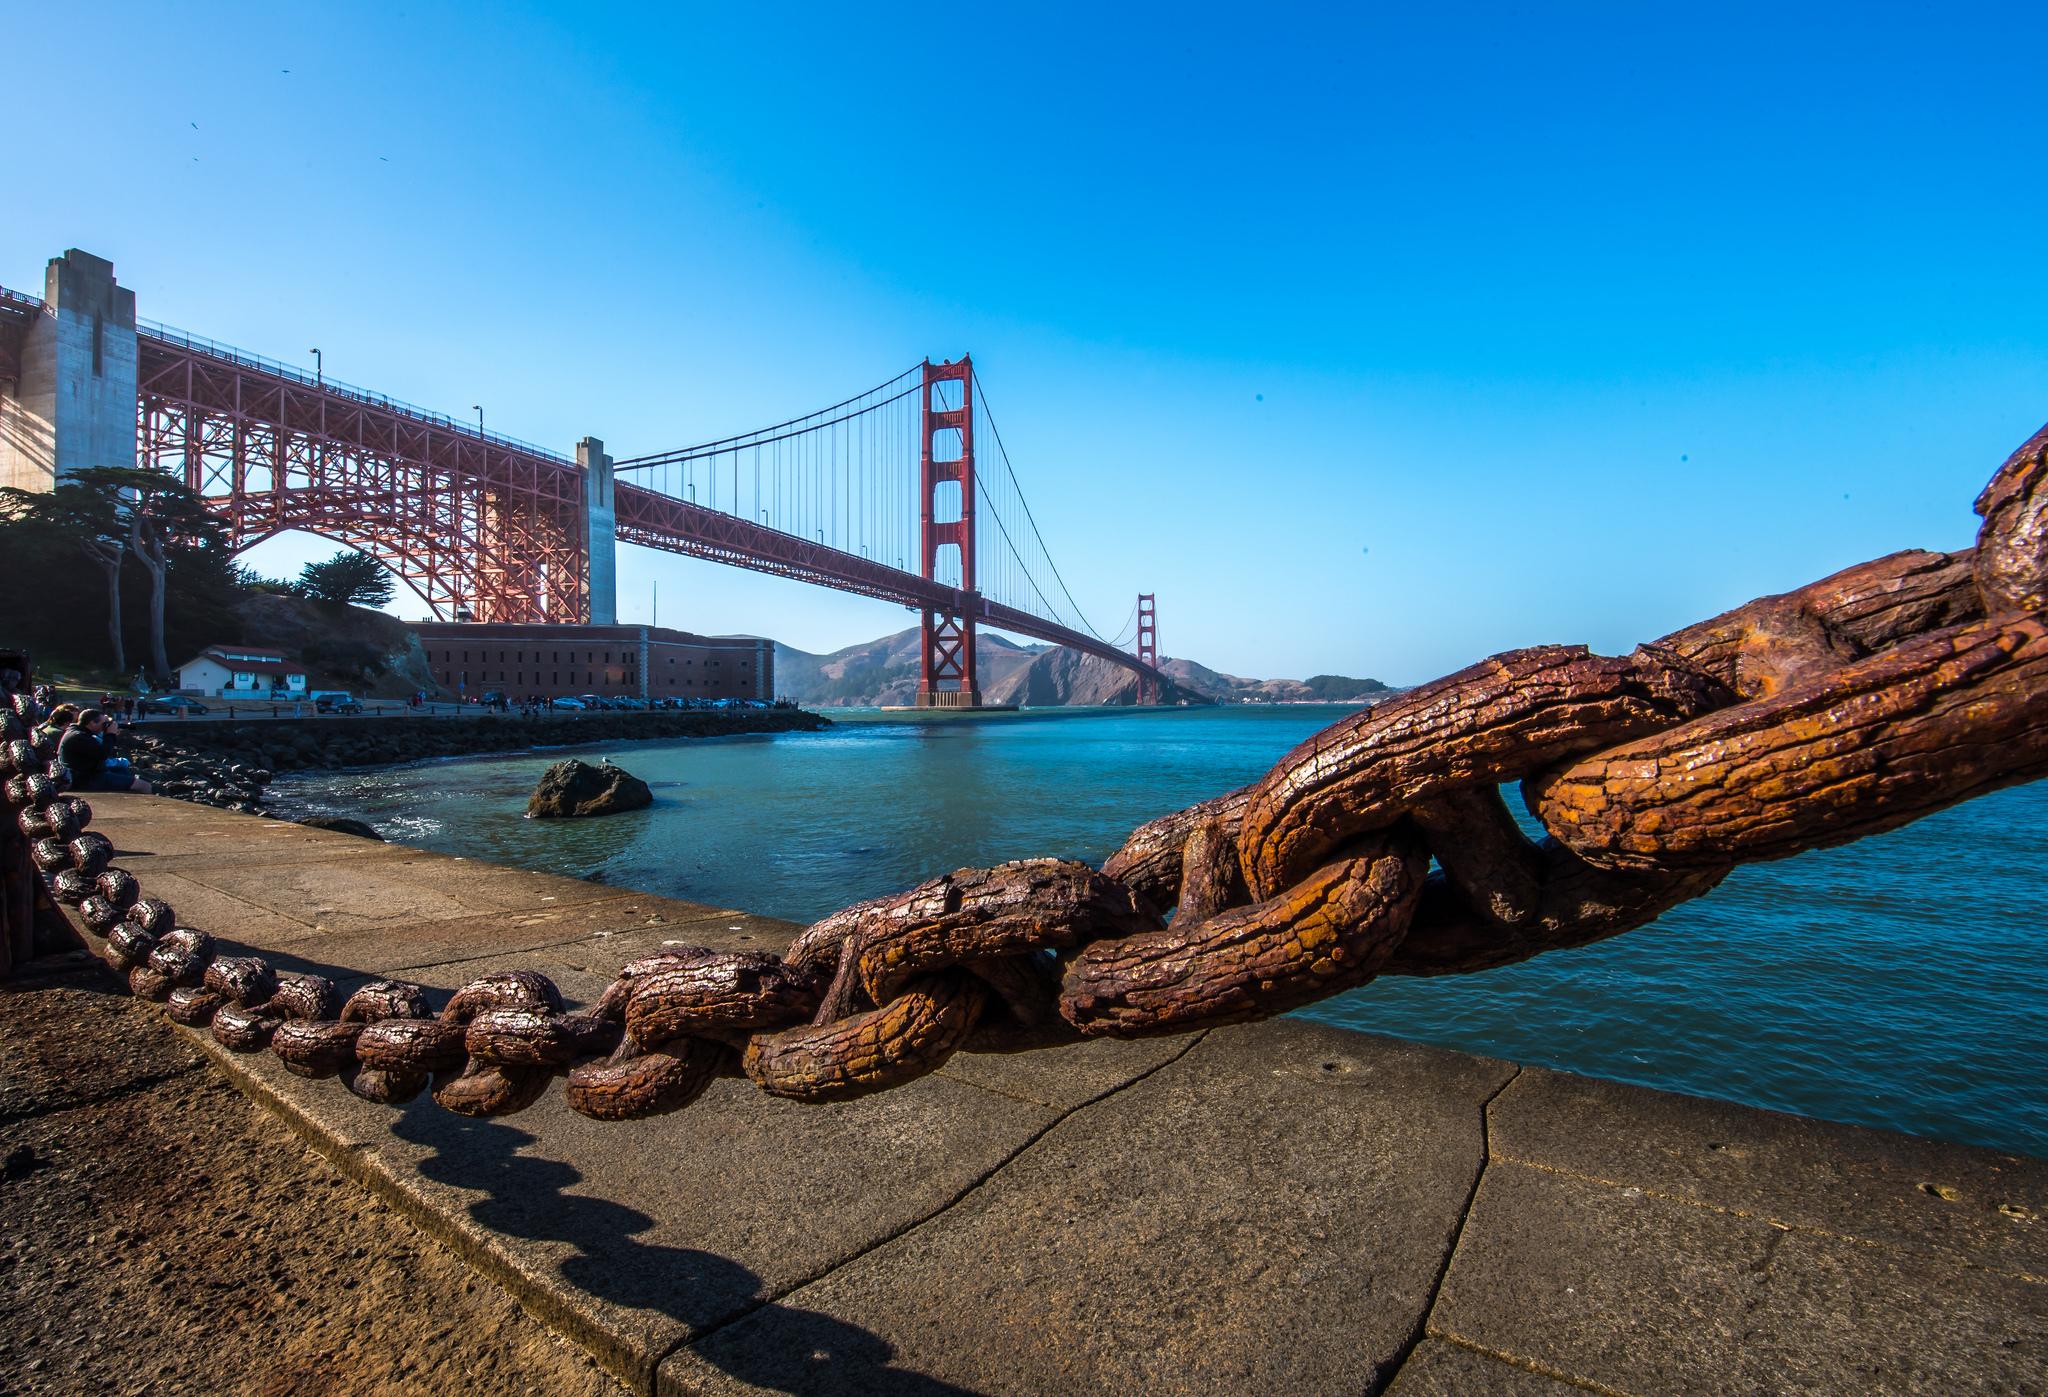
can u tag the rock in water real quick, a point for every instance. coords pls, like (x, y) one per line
(341, 824)
(577, 788)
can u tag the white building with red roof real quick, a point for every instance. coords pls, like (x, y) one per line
(228, 670)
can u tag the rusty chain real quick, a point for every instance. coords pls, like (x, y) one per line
(1849, 707)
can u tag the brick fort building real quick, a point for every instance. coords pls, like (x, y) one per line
(474, 658)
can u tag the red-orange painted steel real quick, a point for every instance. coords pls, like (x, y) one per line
(655, 520)
(476, 526)
(1148, 649)
(487, 528)
(948, 632)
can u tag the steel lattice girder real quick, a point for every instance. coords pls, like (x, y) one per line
(466, 521)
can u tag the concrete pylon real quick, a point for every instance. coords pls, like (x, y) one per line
(600, 533)
(73, 402)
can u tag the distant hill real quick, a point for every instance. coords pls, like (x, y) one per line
(1229, 688)
(1335, 688)
(1065, 678)
(884, 673)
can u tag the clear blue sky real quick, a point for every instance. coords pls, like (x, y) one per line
(1587, 323)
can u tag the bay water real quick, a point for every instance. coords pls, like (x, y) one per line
(1895, 982)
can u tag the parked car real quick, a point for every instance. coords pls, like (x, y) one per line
(633, 704)
(334, 701)
(593, 701)
(576, 704)
(172, 702)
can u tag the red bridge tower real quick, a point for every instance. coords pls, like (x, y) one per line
(947, 679)
(1148, 649)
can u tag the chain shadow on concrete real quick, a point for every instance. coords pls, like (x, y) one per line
(527, 1196)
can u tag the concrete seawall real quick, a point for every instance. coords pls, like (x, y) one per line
(1280, 1207)
(285, 743)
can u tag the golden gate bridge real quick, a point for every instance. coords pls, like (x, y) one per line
(903, 493)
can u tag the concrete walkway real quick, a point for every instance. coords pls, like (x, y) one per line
(1276, 1208)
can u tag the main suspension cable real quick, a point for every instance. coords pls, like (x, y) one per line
(1045, 552)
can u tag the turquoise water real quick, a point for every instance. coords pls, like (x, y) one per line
(1896, 982)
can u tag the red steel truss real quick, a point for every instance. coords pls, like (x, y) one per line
(481, 527)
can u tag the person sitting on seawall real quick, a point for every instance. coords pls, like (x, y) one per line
(61, 717)
(88, 749)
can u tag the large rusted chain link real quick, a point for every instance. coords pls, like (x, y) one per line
(1851, 706)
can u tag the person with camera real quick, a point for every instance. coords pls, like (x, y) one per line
(87, 747)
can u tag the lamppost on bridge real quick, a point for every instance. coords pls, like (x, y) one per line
(478, 410)
(320, 382)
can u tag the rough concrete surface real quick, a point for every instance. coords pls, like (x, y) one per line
(1438, 1369)
(1880, 1187)
(1156, 1243)
(1616, 1286)
(1278, 1208)
(160, 1233)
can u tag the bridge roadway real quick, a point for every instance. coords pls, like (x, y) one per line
(659, 521)
(1275, 1208)
(469, 519)
(394, 474)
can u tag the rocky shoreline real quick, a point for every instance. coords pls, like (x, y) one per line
(229, 765)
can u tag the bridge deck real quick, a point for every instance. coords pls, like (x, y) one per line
(1276, 1208)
